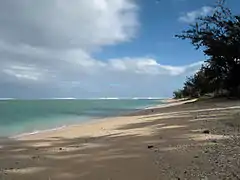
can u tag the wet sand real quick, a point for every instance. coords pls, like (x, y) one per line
(191, 140)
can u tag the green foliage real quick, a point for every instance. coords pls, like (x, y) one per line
(178, 94)
(219, 37)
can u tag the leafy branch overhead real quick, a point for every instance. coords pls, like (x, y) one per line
(218, 35)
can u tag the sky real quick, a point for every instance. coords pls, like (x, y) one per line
(97, 48)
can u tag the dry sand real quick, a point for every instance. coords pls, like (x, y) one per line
(193, 140)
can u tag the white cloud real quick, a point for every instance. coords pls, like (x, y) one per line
(190, 17)
(23, 72)
(59, 35)
(46, 50)
(149, 66)
(68, 24)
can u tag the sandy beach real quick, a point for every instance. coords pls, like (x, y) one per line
(187, 140)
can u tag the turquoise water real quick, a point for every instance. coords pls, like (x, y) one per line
(26, 116)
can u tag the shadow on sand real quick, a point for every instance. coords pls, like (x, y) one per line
(158, 147)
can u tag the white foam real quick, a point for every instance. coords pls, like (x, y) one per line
(65, 98)
(145, 98)
(38, 132)
(4, 99)
(109, 98)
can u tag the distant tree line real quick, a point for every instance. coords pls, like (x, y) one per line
(218, 35)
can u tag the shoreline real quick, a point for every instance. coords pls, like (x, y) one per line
(88, 120)
(166, 143)
(63, 116)
(36, 132)
(95, 121)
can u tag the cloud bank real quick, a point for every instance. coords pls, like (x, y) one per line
(46, 50)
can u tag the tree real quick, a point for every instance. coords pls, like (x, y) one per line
(218, 35)
(178, 94)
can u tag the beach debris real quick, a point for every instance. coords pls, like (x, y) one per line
(150, 146)
(196, 156)
(206, 131)
(60, 148)
(214, 141)
(35, 157)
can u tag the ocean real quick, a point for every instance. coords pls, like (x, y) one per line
(19, 117)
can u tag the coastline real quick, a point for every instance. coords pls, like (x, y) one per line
(161, 143)
(36, 116)
(95, 121)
